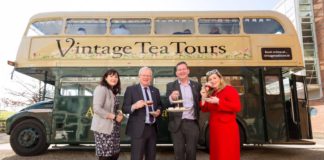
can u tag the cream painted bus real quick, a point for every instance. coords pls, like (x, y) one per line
(257, 51)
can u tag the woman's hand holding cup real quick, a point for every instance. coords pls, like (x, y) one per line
(203, 93)
(214, 100)
(120, 116)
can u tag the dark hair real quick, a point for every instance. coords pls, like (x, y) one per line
(115, 89)
(182, 62)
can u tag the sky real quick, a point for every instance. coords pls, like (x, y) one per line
(15, 14)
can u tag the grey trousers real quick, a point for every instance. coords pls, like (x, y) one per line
(185, 140)
(145, 145)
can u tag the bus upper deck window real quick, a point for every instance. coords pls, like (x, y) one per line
(262, 26)
(86, 26)
(43, 28)
(219, 25)
(130, 26)
(174, 26)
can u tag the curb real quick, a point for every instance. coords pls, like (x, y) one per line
(4, 138)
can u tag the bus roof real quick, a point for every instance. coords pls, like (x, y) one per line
(64, 50)
(158, 13)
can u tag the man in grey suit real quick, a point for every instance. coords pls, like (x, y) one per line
(183, 126)
(141, 125)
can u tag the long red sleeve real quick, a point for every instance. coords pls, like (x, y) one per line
(230, 101)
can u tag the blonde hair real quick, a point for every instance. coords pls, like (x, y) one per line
(222, 83)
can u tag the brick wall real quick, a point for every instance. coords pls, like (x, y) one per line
(319, 25)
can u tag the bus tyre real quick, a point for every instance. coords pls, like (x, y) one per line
(28, 138)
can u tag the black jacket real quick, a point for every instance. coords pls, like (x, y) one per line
(136, 121)
(175, 117)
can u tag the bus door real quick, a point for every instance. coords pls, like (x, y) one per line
(300, 126)
(252, 110)
(72, 120)
(275, 125)
(72, 113)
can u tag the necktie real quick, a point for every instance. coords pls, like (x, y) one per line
(149, 107)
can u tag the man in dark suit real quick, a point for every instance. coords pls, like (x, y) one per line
(183, 126)
(141, 125)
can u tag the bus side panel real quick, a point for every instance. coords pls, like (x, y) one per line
(164, 136)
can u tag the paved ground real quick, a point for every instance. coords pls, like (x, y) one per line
(265, 152)
(318, 122)
(4, 138)
(250, 152)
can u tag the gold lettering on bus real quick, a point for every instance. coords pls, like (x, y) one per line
(143, 48)
(63, 53)
(117, 51)
(89, 113)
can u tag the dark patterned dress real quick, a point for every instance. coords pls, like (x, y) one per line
(108, 144)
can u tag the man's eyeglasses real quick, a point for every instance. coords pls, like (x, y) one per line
(144, 75)
(214, 71)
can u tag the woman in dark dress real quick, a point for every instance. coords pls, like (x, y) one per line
(106, 119)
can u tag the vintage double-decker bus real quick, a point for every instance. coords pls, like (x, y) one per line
(258, 52)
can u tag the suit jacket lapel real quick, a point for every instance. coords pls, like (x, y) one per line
(193, 90)
(177, 87)
(139, 91)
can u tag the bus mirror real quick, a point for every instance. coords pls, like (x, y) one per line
(11, 63)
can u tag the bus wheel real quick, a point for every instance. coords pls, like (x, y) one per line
(28, 138)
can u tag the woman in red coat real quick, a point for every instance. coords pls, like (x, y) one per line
(223, 102)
